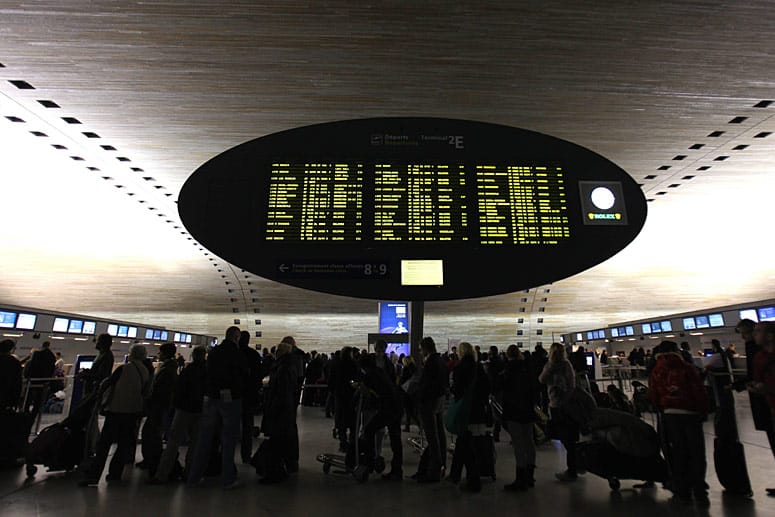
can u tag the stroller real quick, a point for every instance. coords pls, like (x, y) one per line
(62, 446)
(622, 446)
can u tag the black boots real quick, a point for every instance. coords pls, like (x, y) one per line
(524, 479)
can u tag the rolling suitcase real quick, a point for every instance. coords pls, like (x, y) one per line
(728, 452)
(484, 446)
(14, 432)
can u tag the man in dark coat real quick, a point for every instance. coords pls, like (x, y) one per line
(279, 421)
(252, 394)
(159, 408)
(10, 376)
(40, 366)
(434, 385)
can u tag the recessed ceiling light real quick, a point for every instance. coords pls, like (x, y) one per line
(38, 133)
(137, 169)
(22, 85)
(720, 158)
(738, 120)
(48, 104)
(740, 147)
(715, 134)
(90, 134)
(697, 146)
(148, 178)
(93, 169)
(76, 158)
(107, 178)
(123, 159)
(763, 134)
(687, 177)
(763, 104)
(12, 118)
(679, 157)
(71, 120)
(703, 168)
(108, 147)
(663, 167)
(58, 146)
(661, 193)
(650, 177)
(674, 185)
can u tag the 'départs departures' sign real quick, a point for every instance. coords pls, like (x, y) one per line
(412, 208)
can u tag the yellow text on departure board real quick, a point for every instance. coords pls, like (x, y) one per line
(521, 205)
(315, 202)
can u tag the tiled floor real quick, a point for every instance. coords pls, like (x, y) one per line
(313, 493)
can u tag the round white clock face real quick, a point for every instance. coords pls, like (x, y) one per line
(602, 198)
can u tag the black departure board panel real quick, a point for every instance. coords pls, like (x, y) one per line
(412, 208)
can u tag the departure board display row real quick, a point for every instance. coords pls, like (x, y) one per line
(491, 204)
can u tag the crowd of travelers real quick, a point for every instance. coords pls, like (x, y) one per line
(211, 402)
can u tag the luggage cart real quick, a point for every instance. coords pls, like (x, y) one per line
(340, 463)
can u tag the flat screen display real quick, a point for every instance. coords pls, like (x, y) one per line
(656, 327)
(157, 334)
(393, 317)
(176, 337)
(26, 321)
(60, 325)
(164, 335)
(766, 313)
(749, 314)
(188, 338)
(702, 322)
(689, 324)
(148, 333)
(89, 327)
(86, 365)
(131, 332)
(7, 319)
(113, 329)
(579, 337)
(123, 330)
(646, 328)
(614, 332)
(666, 326)
(75, 327)
(422, 272)
(716, 320)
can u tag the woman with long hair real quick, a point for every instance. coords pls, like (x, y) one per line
(560, 379)
(469, 378)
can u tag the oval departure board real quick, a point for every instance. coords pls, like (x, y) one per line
(412, 208)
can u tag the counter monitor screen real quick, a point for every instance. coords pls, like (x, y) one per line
(60, 325)
(113, 329)
(89, 327)
(7, 319)
(26, 321)
(75, 327)
(767, 314)
(749, 314)
(716, 320)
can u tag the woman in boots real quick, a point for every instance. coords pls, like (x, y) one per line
(520, 397)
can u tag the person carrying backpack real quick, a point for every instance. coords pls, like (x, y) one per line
(675, 388)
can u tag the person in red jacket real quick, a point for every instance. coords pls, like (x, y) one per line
(675, 388)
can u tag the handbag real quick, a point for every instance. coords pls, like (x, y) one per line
(459, 411)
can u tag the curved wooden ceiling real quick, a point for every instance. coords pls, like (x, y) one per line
(137, 96)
